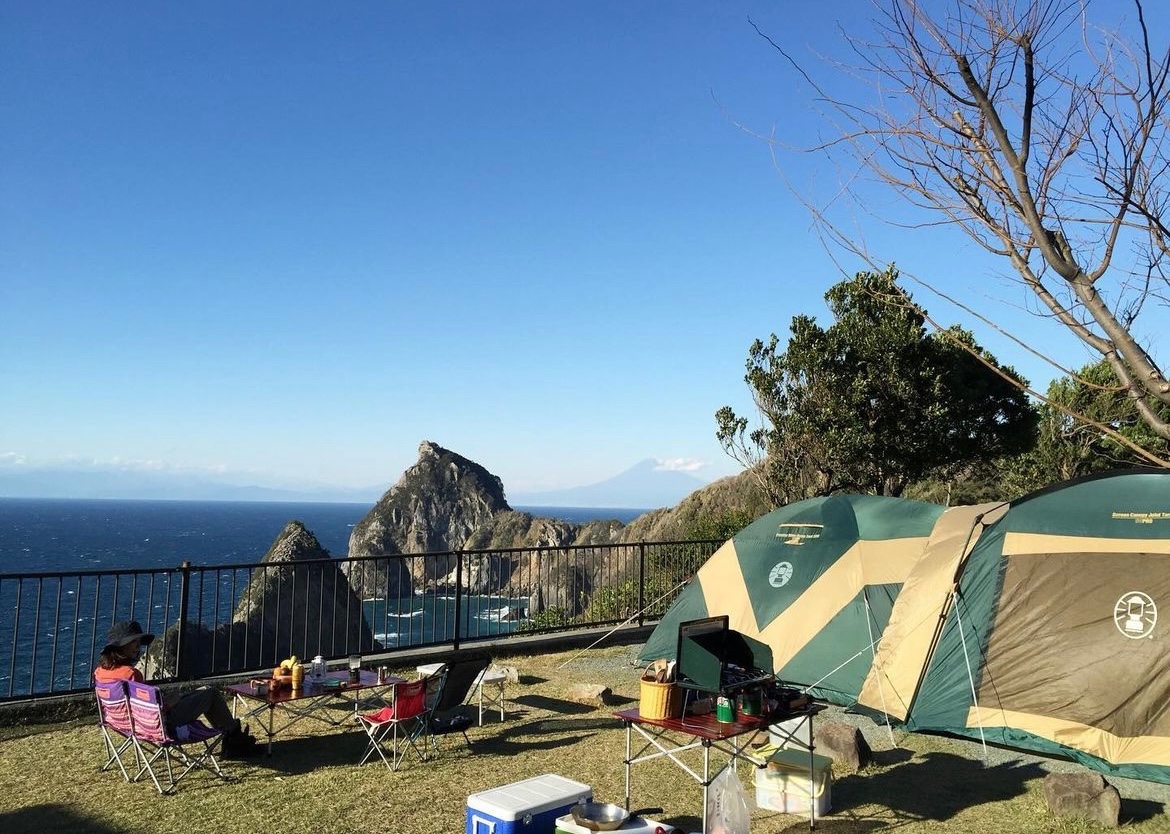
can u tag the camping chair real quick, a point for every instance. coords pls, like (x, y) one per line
(153, 740)
(400, 726)
(114, 720)
(451, 713)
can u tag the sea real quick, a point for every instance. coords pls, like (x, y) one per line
(47, 536)
(39, 535)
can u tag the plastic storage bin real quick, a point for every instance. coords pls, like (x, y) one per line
(786, 786)
(527, 807)
(637, 825)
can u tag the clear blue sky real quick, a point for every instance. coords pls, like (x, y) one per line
(291, 240)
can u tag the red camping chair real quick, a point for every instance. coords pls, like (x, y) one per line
(154, 740)
(114, 720)
(399, 726)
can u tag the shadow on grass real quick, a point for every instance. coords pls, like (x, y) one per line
(1140, 810)
(301, 754)
(53, 818)
(553, 704)
(510, 746)
(936, 786)
(529, 680)
(545, 726)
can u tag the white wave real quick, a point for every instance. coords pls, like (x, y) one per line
(386, 637)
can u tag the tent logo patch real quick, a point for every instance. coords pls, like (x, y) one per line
(798, 533)
(1135, 615)
(780, 574)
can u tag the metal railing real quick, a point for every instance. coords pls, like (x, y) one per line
(246, 617)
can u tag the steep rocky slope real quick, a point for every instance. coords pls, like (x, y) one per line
(297, 602)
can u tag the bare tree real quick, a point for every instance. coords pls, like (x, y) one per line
(1044, 138)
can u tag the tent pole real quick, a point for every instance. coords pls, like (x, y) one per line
(626, 621)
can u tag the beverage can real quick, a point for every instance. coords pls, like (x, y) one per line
(725, 710)
(382, 674)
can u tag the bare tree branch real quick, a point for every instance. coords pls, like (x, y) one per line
(1040, 134)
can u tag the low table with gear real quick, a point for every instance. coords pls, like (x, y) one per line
(310, 701)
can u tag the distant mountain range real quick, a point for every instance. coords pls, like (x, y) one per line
(168, 486)
(645, 486)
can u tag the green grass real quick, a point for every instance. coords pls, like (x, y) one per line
(49, 777)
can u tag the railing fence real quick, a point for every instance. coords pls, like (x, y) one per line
(246, 617)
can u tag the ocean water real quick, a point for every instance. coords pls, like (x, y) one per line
(49, 631)
(46, 535)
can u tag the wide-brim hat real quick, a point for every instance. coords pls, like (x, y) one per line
(123, 633)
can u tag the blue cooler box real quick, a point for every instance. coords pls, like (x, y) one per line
(528, 807)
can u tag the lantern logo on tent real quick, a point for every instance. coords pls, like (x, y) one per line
(1135, 615)
(798, 533)
(780, 574)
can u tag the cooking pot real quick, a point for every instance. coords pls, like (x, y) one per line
(600, 816)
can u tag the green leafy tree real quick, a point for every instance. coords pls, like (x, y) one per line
(717, 526)
(1069, 447)
(873, 402)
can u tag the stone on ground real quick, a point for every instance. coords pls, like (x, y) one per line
(843, 743)
(1083, 794)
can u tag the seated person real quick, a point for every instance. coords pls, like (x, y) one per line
(123, 645)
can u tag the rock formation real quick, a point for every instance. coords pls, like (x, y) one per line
(303, 602)
(297, 602)
(447, 503)
(435, 507)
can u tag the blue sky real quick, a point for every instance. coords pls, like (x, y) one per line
(288, 241)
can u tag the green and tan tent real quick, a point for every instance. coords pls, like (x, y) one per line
(815, 581)
(1036, 626)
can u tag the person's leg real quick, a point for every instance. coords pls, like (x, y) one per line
(204, 702)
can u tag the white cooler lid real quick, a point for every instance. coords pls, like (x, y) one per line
(531, 796)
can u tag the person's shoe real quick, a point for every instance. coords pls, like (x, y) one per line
(239, 745)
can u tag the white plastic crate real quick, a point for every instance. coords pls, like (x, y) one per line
(787, 787)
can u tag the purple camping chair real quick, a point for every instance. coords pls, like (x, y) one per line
(114, 720)
(154, 741)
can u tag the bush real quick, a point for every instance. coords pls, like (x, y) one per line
(549, 618)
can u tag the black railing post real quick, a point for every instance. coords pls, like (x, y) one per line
(641, 583)
(184, 605)
(458, 597)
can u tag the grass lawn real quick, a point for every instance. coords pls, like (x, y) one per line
(49, 777)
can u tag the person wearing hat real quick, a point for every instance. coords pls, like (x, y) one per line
(124, 643)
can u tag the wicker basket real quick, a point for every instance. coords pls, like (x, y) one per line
(659, 700)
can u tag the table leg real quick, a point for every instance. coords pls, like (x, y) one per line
(271, 712)
(629, 729)
(812, 793)
(706, 778)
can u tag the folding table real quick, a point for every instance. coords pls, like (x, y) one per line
(672, 736)
(311, 701)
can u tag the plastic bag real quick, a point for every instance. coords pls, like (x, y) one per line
(727, 805)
